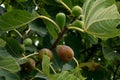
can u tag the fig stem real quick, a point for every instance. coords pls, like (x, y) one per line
(35, 3)
(47, 18)
(60, 1)
(25, 57)
(76, 61)
(39, 70)
(76, 28)
(27, 31)
(52, 69)
(18, 33)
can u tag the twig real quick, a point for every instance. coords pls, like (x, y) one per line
(47, 18)
(52, 69)
(18, 33)
(60, 1)
(59, 38)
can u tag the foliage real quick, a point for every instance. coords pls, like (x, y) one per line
(93, 35)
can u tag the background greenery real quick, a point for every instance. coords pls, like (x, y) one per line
(96, 44)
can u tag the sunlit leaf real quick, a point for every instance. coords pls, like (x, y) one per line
(46, 64)
(101, 18)
(7, 62)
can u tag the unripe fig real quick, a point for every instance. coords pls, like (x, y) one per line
(78, 23)
(76, 11)
(30, 65)
(65, 53)
(61, 19)
(27, 42)
(45, 51)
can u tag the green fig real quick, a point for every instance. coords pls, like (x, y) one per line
(61, 19)
(76, 11)
(27, 42)
(78, 23)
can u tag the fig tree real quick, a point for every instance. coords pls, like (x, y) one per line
(65, 53)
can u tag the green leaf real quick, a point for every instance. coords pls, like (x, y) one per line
(13, 47)
(2, 43)
(7, 62)
(65, 75)
(49, 25)
(118, 5)
(37, 27)
(68, 3)
(16, 19)
(39, 75)
(110, 54)
(101, 18)
(45, 64)
(6, 75)
(67, 67)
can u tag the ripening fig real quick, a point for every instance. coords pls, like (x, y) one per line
(76, 11)
(61, 19)
(65, 53)
(27, 42)
(45, 51)
(30, 65)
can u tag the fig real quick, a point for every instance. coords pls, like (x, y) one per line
(76, 11)
(27, 42)
(65, 53)
(30, 65)
(78, 23)
(61, 19)
(45, 51)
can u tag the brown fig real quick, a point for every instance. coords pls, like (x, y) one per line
(30, 65)
(65, 53)
(45, 51)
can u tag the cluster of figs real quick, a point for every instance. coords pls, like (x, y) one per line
(64, 52)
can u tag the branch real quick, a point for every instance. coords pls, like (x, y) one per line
(59, 38)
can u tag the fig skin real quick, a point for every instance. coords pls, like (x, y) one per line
(30, 65)
(27, 42)
(65, 53)
(77, 10)
(45, 51)
(78, 23)
(61, 19)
